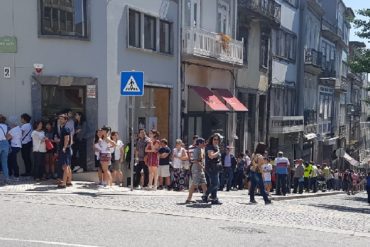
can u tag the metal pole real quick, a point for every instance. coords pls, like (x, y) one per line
(132, 142)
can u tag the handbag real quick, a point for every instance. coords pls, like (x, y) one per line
(49, 145)
(186, 164)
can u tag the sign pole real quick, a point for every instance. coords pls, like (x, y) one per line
(132, 142)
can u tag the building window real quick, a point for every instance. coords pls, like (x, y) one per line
(150, 32)
(223, 16)
(285, 46)
(134, 28)
(264, 52)
(165, 37)
(244, 34)
(64, 18)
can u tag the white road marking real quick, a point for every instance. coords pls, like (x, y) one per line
(45, 242)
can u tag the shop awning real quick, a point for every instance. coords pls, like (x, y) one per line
(310, 136)
(231, 100)
(351, 160)
(210, 99)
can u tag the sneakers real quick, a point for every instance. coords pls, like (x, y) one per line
(253, 202)
(76, 168)
(138, 188)
(216, 202)
(268, 202)
(205, 199)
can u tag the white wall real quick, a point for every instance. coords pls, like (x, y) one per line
(59, 56)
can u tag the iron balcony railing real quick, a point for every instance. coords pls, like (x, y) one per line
(286, 124)
(313, 57)
(203, 43)
(267, 8)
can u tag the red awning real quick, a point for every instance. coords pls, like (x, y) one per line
(231, 100)
(210, 99)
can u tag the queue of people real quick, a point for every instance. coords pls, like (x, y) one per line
(53, 149)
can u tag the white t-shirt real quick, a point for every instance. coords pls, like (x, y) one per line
(105, 147)
(38, 141)
(3, 130)
(117, 150)
(177, 154)
(266, 169)
(26, 133)
(16, 134)
(97, 150)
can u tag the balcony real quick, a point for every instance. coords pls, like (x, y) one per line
(341, 85)
(328, 68)
(332, 32)
(208, 45)
(313, 60)
(261, 8)
(286, 124)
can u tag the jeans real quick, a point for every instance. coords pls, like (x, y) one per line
(239, 180)
(39, 165)
(141, 166)
(368, 193)
(228, 174)
(307, 184)
(257, 181)
(281, 184)
(26, 156)
(214, 184)
(298, 185)
(13, 163)
(314, 184)
(4, 151)
(79, 154)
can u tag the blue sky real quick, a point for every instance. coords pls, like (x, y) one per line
(355, 5)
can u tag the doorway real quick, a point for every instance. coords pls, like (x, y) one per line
(55, 99)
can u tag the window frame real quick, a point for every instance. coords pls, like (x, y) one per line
(286, 45)
(157, 26)
(264, 56)
(170, 36)
(87, 24)
(137, 27)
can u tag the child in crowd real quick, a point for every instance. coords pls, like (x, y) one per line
(266, 169)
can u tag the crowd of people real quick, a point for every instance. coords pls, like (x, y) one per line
(54, 149)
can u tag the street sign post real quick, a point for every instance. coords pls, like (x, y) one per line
(132, 84)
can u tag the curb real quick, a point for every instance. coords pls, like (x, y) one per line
(284, 198)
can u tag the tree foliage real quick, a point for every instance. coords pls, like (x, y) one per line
(360, 62)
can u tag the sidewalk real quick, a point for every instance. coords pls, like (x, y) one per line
(26, 185)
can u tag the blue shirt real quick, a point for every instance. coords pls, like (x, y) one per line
(368, 182)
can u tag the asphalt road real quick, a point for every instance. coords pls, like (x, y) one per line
(43, 220)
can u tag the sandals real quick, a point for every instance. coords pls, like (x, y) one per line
(69, 184)
(61, 186)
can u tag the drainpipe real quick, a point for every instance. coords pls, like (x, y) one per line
(179, 70)
(268, 113)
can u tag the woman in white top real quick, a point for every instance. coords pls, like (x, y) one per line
(39, 150)
(15, 134)
(4, 147)
(96, 148)
(178, 156)
(106, 147)
(118, 159)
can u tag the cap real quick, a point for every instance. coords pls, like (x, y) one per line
(219, 135)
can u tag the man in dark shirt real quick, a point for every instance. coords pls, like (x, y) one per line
(64, 152)
(164, 164)
(141, 143)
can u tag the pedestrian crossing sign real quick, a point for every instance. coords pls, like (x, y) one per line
(132, 83)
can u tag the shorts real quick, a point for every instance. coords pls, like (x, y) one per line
(64, 158)
(117, 165)
(267, 183)
(164, 171)
(198, 176)
(105, 157)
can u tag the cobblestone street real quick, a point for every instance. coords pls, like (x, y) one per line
(339, 214)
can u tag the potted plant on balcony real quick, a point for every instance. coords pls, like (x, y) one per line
(225, 41)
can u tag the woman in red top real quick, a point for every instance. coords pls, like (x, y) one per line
(153, 158)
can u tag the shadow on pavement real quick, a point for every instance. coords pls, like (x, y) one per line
(199, 205)
(356, 198)
(363, 210)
